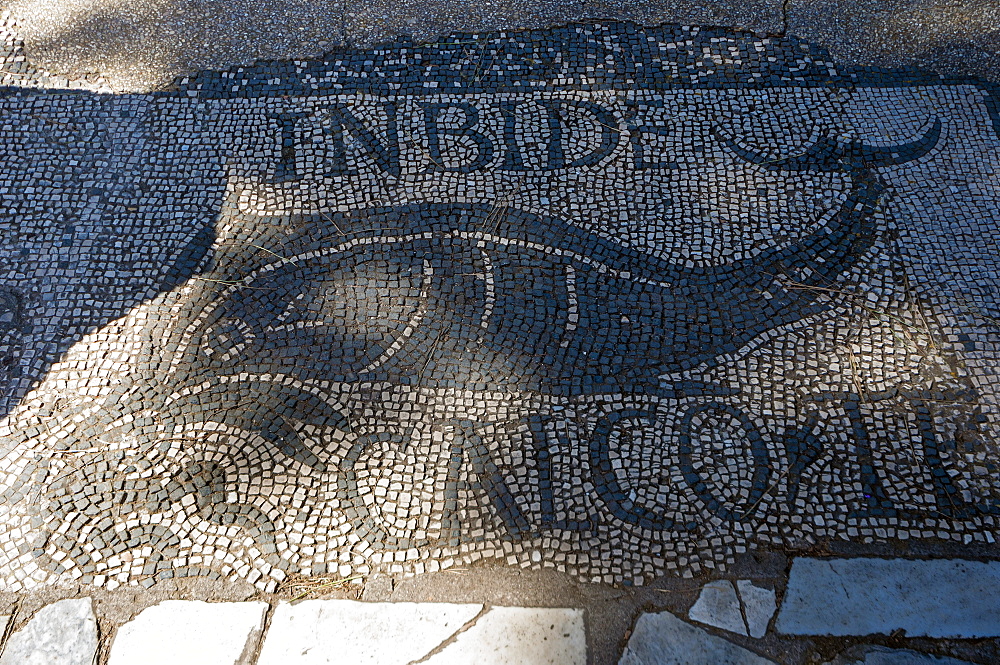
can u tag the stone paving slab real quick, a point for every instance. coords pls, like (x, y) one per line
(63, 633)
(718, 606)
(663, 639)
(514, 635)
(758, 604)
(316, 631)
(743, 608)
(943, 598)
(190, 632)
(345, 631)
(342, 631)
(874, 655)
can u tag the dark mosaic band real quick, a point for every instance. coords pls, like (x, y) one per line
(614, 300)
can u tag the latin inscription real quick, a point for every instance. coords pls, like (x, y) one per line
(465, 136)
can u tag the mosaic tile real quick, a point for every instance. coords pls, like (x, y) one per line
(615, 300)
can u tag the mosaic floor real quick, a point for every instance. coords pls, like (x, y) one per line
(614, 300)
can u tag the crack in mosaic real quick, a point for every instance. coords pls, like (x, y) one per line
(615, 300)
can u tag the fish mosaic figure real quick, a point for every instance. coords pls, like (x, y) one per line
(487, 300)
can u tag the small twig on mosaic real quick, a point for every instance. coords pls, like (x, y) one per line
(479, 64)
(901, 481)
(218, 281)
(855, 378)
(855, 298)
(432, 160)
(430, 356)
(780, 159)
(769, 490)
(499, 208)
(237, 282)
(265, 249)
(330, 219)
(479, 67)
(920, 312)
(438, 44)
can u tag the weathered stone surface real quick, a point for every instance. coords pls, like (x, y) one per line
(875, 655)
(63, 633)
(718, 606)
(377, 588)
(315, 632)
(663, 639)
(519, 636)
(744, 612)
(190, 632)
(758, 606)
(941, 598)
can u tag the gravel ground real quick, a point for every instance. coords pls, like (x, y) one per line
(141, 45)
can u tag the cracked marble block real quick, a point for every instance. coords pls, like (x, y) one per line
(519, 636)
(63, 633)
(664, 639)
(328, 632)
(867, 654)
(864, 596)
(192, 632)
(718, 606)
(744, 609)
(759, 605)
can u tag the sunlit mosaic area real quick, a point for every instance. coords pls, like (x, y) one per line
(617, 301)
